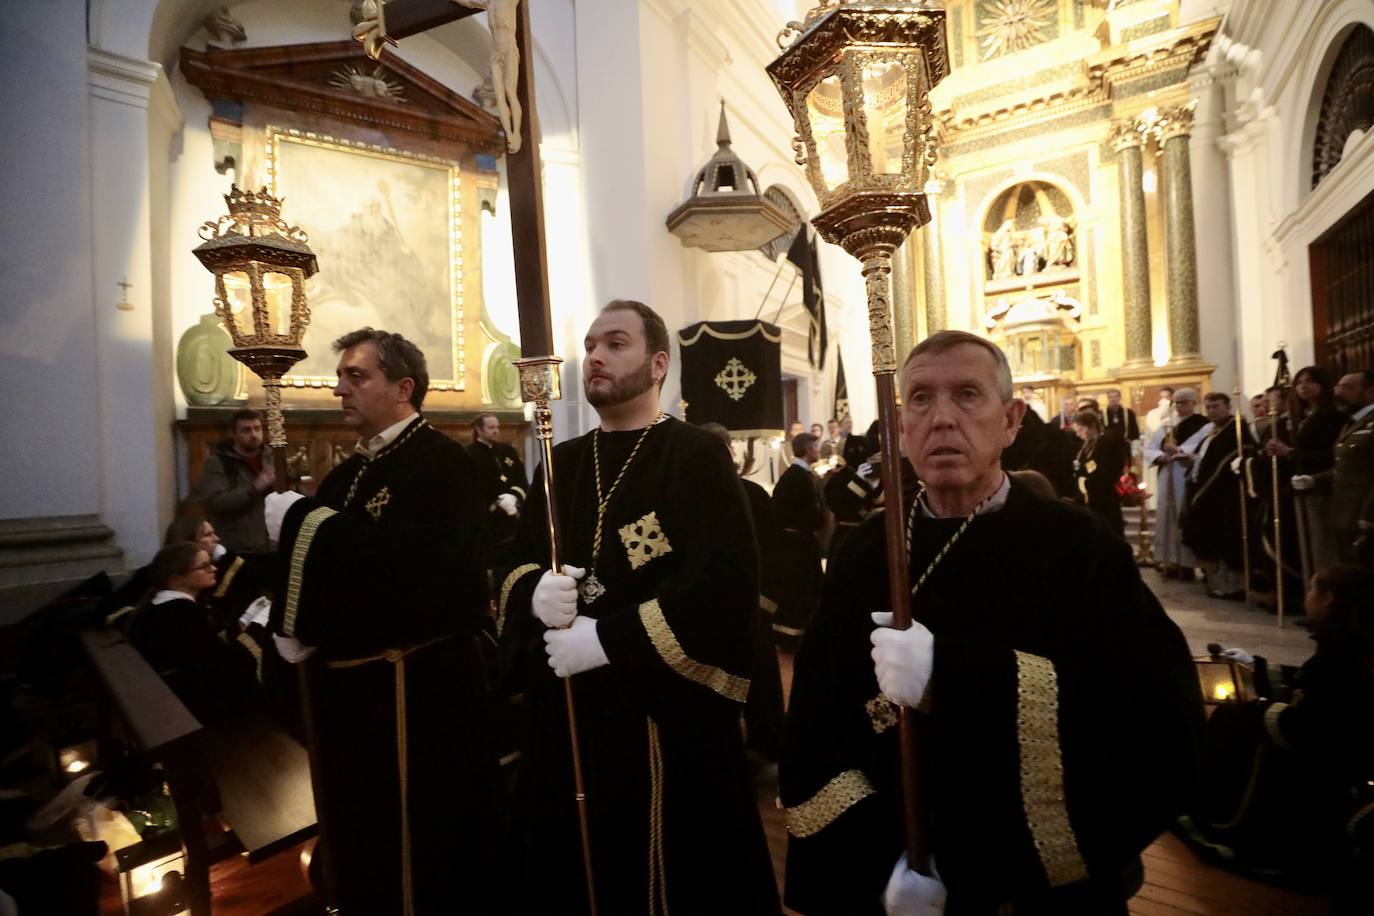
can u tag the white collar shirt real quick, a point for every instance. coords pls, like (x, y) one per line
(370, 447)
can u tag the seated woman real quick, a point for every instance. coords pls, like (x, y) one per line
(181, 640)
(1098, 468)
(1282, 780)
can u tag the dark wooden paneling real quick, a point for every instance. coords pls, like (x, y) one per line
(1342, 264)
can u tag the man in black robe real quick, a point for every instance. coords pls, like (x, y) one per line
(849, 495)
(502, 483)
(1211, 521)
(654, 619)
(1121, 418)
(1059, 725)
(381, 597)
(800, 510)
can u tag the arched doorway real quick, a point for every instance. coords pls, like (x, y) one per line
(1342, 260)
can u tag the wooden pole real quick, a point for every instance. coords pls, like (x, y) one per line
(1244, 512)
(877, 271)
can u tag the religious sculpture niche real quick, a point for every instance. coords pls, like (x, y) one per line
(1029, 231)
(1040, 337)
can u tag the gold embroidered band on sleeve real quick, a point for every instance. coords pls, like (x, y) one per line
(882, 713)
(223, 588)
(857, 489)
(767, 605)
(835, 798)
(515, 576)
(1271, 725)
(1042, 770)
(304, 537)
(730, 686)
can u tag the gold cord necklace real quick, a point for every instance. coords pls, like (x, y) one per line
(591, 587)
(911, 521)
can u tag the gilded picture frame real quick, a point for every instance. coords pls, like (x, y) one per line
(385, 225)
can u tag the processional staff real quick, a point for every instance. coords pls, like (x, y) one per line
(512, 71)
(1281, 380)
(844, 66)
(1244, 511)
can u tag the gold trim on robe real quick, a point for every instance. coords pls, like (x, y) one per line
(835, 798)
(515, 576)
(304, 538)
(1042, 770)
(730, 686)
(223, 588)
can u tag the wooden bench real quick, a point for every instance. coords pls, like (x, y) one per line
(261, 775)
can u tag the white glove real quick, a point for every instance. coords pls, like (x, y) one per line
(911, 893)
(274, 506)
(257, 612)
(555, 597)
(1240, 655)
(1303, 482)
(902, 659)
(292, 649)
(575, 649)
(507, 504)
(865, 471)
(1235, 464)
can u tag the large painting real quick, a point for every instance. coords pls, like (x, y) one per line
(384, 225)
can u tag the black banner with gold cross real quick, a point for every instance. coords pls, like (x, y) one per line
(732, 375)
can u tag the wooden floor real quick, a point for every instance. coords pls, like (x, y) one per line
(1177, 883)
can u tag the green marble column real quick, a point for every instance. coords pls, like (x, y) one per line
(1135, 254)
(1175, 126)
(934, 263)
(903, 300)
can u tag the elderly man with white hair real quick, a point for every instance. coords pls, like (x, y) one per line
(1170, 451)
(1060, 714)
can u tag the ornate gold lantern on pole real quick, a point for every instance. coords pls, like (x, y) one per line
(260, 265)
(856, 76)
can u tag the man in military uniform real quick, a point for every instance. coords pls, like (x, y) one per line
(502, 482)
(1351, 481)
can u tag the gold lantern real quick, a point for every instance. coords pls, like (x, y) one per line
(856, 77)
(260, 265)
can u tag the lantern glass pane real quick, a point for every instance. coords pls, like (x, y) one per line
(1218, 682)
(238, 289)
(825, 111)
(276, 290)
(885, 91)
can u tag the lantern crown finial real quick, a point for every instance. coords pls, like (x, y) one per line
(252, 214)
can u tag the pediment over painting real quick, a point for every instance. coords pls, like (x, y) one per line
(336, 78)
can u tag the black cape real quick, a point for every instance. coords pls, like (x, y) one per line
(382, 573)
(499, 471)
(659, 726)
(1211, 521)
(800, 511)
(1063, 729)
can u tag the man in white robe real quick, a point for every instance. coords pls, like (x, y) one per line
(1171, 451)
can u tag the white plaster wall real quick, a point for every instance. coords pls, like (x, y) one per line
(48, 355)
(1278, 60)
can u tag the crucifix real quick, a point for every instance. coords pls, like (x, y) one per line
(512, 62)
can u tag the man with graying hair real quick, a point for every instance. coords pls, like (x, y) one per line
(381, 597)
(1058, 725)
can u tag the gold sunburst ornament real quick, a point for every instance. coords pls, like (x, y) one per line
(1015, 25)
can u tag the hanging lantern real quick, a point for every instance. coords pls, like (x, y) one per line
(260, 266)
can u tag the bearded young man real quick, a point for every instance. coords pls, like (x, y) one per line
(1059, 725)
(654, 620)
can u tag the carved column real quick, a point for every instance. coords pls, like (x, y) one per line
(903, 300)
(1174, 130)
(1135, 255)
(933, 251)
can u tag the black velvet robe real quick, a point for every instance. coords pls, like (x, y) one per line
(499, 471)
(1098, 469)
(800, 511)
(763, 713)
(386, 559)
(1211, 521)
(659, 726)
(1063, 730)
